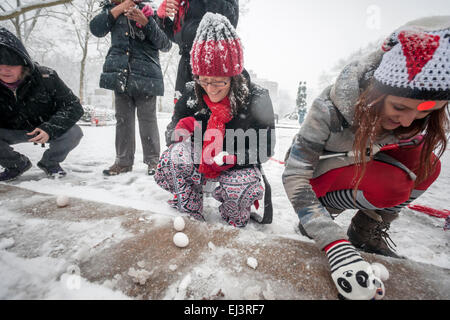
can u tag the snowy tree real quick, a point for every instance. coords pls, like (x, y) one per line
(24, 15)
(10, 11)
(85, 10)
(328, 77)
(301, 101)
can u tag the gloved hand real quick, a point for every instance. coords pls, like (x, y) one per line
(147, 11)
(167, 8)
(352, 275)
(223, 161)
(185, 127)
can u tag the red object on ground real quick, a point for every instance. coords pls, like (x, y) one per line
(280, 162)
(430, 211)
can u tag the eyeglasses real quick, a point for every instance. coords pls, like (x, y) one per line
(215, 84)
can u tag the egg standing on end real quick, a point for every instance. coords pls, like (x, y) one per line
(62, 201)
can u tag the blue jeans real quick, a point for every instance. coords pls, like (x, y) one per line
(57, 152)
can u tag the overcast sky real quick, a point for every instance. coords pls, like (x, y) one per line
(292, 40)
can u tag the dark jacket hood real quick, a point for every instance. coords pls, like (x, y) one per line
(10, 41)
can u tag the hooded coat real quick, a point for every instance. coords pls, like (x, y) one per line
(132, 64)
(42, 100)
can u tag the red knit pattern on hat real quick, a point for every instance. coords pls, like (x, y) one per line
(418, 49)
(220, 115)
(222, 58)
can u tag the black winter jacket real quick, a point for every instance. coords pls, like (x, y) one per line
(257, 114)
(185, 37)
(41, 101)
(132, 64)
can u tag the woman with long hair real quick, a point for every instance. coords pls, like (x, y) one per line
(397, 96)
(221, 130)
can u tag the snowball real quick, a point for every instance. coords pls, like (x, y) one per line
(178, 223)
(173, 267)
(6, 243)
(139, 276)
(62, 201)
(380, 271)
(252, 262)
(211, 246)
(180, 239)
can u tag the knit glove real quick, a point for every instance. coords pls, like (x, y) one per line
(185, 127)
(147, 11)
(162, 9)
(352, 275)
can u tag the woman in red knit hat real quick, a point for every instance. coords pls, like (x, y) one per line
(187, 15)
(222, 129)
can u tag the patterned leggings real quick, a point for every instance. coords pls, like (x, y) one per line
(238, 188)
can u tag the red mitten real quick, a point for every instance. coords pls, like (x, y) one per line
(185, 127)
(161, 12)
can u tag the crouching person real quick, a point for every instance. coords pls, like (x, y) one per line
(377, 104)
(222, 129)
(35, 106)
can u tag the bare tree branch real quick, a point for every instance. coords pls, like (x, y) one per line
(29, 7)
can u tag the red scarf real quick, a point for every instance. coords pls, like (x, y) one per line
(179, 17)
(220, 115)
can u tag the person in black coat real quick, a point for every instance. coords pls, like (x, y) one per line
(222, 130)
(182, 30)
(35, 106)
(132, 69)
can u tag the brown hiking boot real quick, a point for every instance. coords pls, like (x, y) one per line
(116, 169)
(368, 232)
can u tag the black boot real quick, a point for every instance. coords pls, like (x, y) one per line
(368, 232)
(12, 173)
(52, 171)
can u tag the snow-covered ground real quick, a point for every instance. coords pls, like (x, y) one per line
(418, 236)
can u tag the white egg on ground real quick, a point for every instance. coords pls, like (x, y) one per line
(252, 262)
(380, 271)
(178, 224)
(180, 239)
(62, 201)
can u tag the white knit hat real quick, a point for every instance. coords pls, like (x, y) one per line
(416, 64)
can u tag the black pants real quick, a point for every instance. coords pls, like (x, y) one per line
(57, 152)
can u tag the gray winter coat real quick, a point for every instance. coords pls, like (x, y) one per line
(326, 129)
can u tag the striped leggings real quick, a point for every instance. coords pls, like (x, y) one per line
(385, 186)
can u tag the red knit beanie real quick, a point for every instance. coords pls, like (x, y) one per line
(217, 49)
